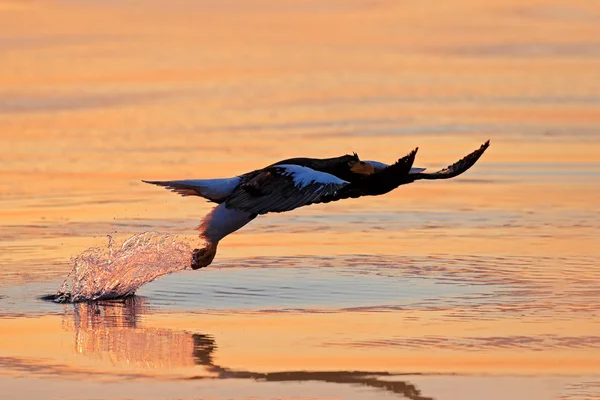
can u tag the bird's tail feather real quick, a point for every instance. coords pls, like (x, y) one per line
(215, 190)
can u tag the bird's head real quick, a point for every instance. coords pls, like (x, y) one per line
(348, 167)
(359, 167)
(203, 257)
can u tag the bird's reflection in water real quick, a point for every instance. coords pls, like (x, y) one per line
(109, 330)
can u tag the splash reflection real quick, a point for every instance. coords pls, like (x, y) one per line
(110, 331)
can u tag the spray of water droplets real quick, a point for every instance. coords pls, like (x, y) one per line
(111, 273)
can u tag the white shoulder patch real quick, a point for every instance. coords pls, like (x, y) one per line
(305, 176)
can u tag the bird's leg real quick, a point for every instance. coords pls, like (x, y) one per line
(203, 257)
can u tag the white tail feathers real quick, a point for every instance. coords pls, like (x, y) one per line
(216, 190)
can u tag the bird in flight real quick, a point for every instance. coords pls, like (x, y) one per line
(298, 182)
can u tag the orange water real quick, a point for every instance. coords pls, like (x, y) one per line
(482, 287)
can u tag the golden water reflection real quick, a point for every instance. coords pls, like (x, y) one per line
(111, 331)
(101, 94)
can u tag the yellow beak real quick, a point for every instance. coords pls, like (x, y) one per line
(361, 168)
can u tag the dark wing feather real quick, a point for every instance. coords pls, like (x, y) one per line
(279, 188)
(455, 169)
(380, 182)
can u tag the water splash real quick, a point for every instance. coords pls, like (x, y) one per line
(110, 273)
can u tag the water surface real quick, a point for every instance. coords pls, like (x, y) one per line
(485, 286)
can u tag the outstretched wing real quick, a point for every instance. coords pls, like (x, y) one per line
(282, 188)
(455, 169)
